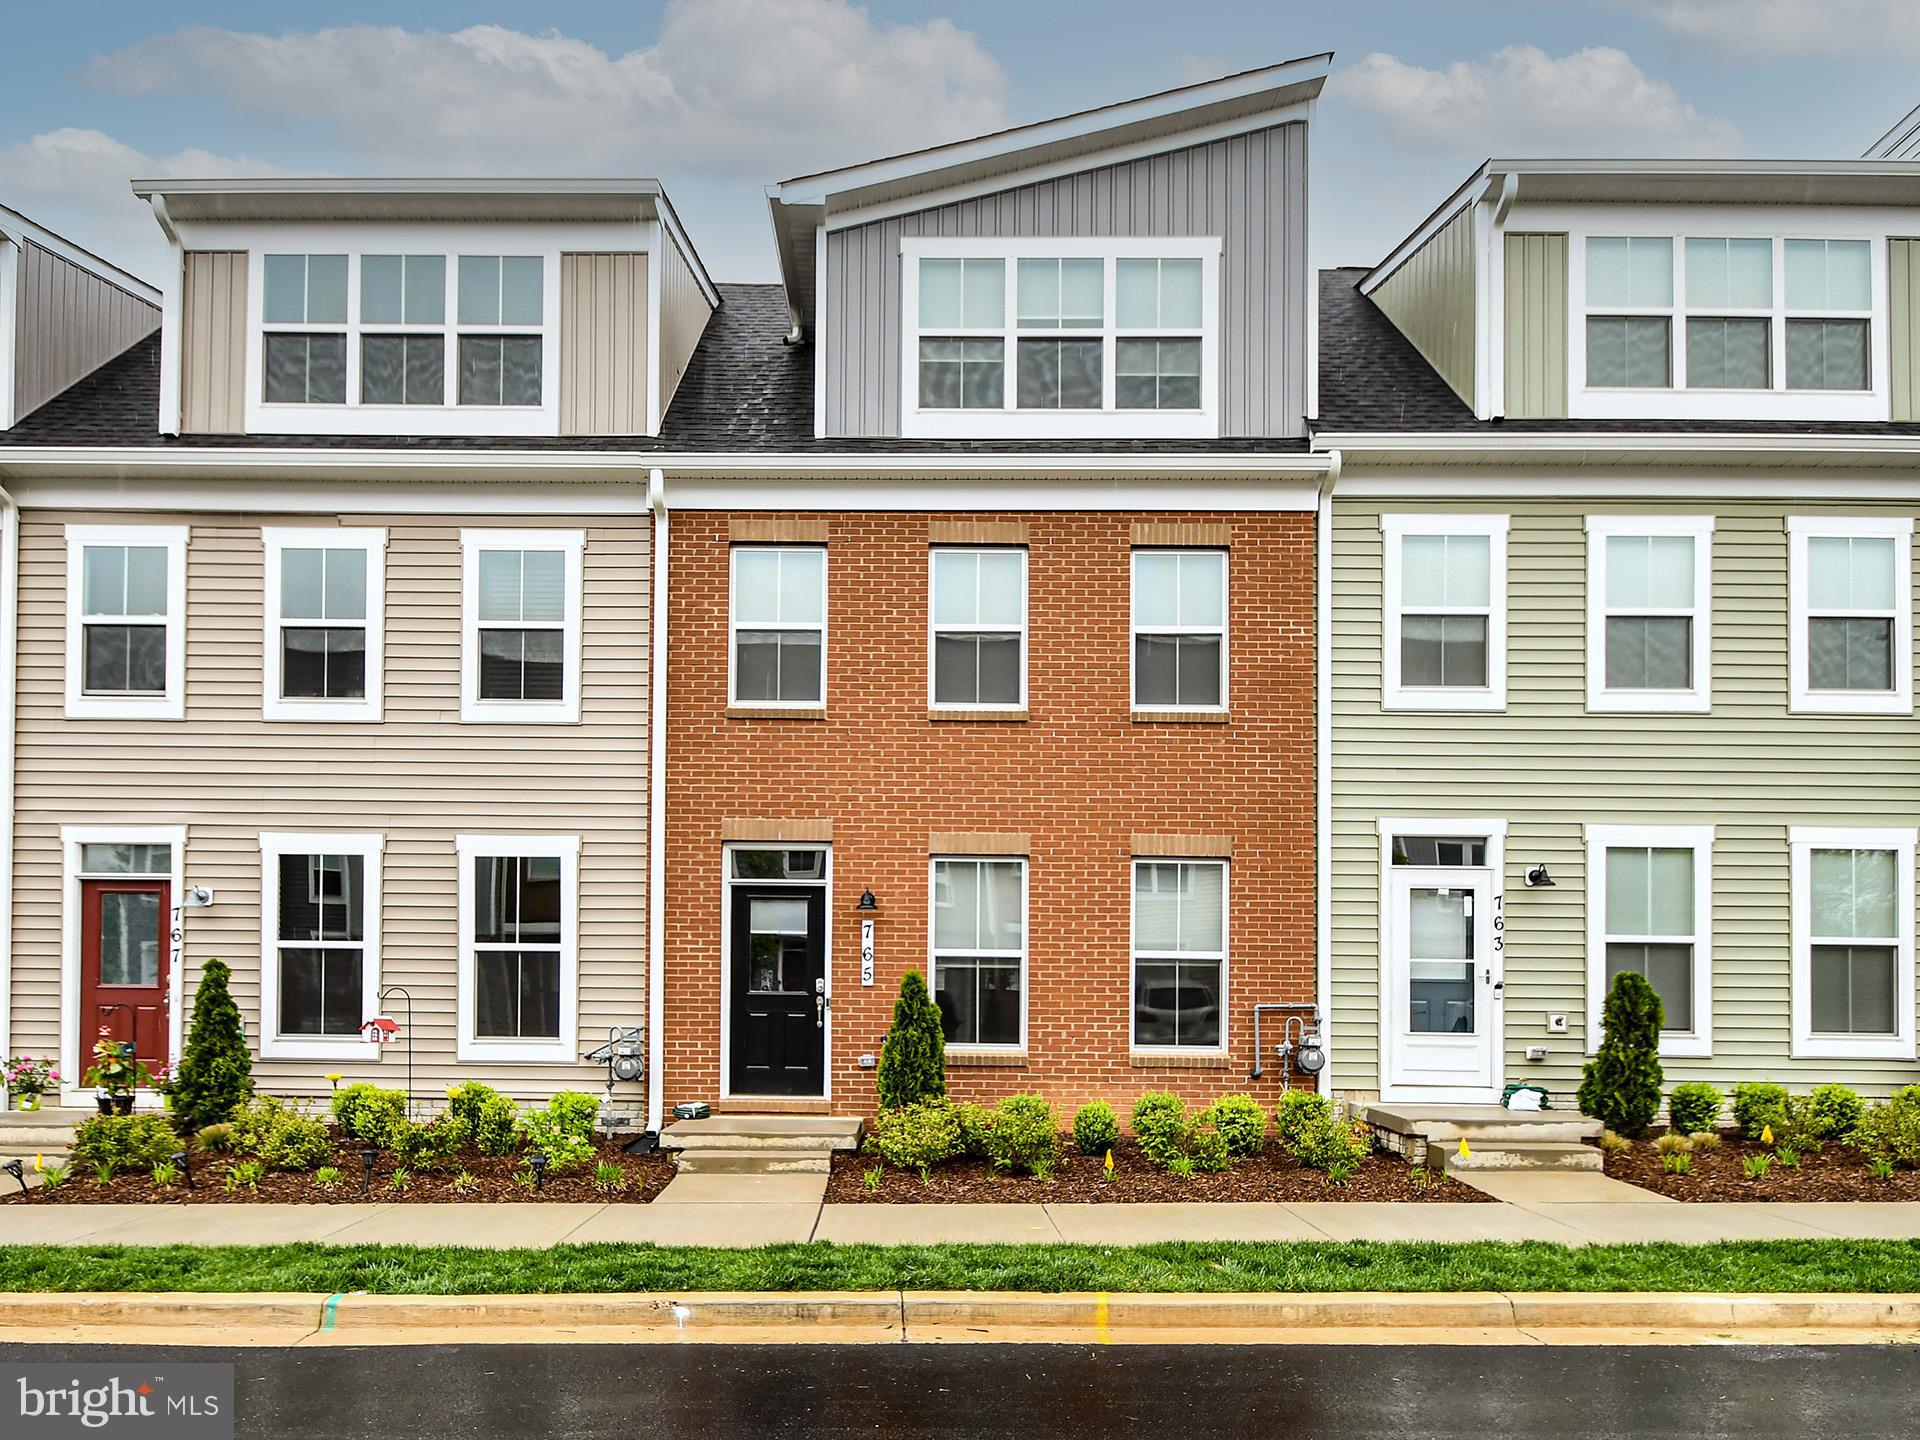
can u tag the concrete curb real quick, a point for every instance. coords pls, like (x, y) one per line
(896, 1315)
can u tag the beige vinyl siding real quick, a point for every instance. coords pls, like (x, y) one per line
(71, 322)
(603, 344)
(1536, 326)
(1903, 291)
(684, 313)
(420, 778)
(213, 343)
(1549, 768)
(1431, 300)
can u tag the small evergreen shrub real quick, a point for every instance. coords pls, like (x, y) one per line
(496, 1130)
(913, 1057)
(1621, 1086)
(1759, 1105)
(976, 1124)
(1829, 1112)
(1024, 1137)
(916, 1137)
(1296, 1111)
(1095, 1131)
(215, 1074)
(1891, 1132)
(368, 1113)
(127, 1142)
(1160, 1123)
(1242, 1123)
(1694, 1106)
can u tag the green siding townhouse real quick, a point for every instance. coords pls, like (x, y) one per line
(1617, 627)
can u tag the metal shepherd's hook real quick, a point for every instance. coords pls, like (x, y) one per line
(406, 995)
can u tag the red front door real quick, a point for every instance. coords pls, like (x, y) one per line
(124, 960)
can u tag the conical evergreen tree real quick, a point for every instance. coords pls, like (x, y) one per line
(1621, 1088)
(913, 1060)
(216, 1073)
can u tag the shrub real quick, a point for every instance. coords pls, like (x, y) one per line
(1612, 1144)
(215, 1075)
(913, 1057)
(1160, 1122)
(1755, 1166)
(916, 1137)
(1330, 1143)
(976, 1124)
(1095, 1131)
(1757, 1105)
(1705, 1139)
(369, 1114)
(1910, 1093)
(215, 1139)
(430, 1146)
(1891, 1131)
(1297, 1110)
(1242, 1123)
(1208, 1148)
(128, 1141)
(1621, 1086)
(608, 1178)
(497, 1129)
(1024, 1136)
(554, 1130)
(466, 1101)
(280, 1136)
(1829, 1112)
(1694, 1106)
(1674, 1143)
(576, 1112)
(244, 1175)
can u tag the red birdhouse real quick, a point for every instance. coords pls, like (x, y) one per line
(381, 1029)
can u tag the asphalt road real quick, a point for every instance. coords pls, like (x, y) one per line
(1052, 1392)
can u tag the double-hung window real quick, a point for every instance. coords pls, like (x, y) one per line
(319, 944)
(1729, 319)
(1852, 943)
(1179, 954)
(978, 617)
(126, 621)
(303, 306)
(519, 956)
(1829, 314)
(1850, 648)
(980, 950)
(1649, 612)
(1179, 629)
(1445, 591)
(403, 339)
(1629, 312)
(325, 611)
(502, 308)
(520, 658)
(778, 624)
(1650, 910)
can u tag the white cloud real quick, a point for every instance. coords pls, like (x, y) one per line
(1522, 100)
(75, 183)
(754, 88)
(1790, 29)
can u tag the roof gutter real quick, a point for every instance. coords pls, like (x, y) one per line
(1503, 446)
(656, 807)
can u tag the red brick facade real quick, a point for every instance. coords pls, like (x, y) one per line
(1080, 777)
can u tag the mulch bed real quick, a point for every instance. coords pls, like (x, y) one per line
(1270, 1175)
(1835, 1172)
(646, 1176)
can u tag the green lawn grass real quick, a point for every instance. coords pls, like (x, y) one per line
(1772, 1265)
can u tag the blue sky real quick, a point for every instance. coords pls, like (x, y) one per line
(718, 97)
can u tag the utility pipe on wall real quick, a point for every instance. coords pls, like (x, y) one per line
(1323, 761)
(9, 667)
(656, 805)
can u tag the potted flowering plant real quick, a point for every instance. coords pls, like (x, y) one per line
(160, 1078)
(114, 1075)
(27, 1079)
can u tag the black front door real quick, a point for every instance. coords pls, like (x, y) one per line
(779, 964)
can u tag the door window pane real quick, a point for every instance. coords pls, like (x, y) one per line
(129, 938)
(1441, 995)
(122, 859)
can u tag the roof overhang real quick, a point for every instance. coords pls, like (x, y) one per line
(324, 198)
(1570, 449)
(1151, 124)
(16, 229)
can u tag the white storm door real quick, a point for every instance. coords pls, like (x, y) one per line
(1443, 984)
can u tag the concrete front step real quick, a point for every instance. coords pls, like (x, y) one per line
(760, 1144)
(716, 1161)
(1523, 1155)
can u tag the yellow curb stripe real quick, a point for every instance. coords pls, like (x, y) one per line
(1102, 1331)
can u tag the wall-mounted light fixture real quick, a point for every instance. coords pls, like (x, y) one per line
(1538, 878)
(867, 902)
(198, 897)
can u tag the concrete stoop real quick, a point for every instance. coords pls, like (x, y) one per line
(47, 1132)
(760, 1144)
(1496, 1138)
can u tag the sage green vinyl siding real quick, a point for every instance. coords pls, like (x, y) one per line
(1430, 300)
(1903, 293)
(1536, 326)
(1549, 768)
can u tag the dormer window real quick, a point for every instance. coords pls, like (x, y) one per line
(304, 306)
(1060, 337)
(500, 342)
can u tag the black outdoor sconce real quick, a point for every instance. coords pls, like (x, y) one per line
(1538, 878)
(537, 1162)
(186, 1166)
(367, 1157)
(18, 1170)
(867, 902)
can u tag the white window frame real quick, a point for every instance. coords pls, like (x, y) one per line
(1696, 1043)
(1022, 954)
(1394, 695)
(935, 629)
(1802, 840)
(566, 849)
(1011, 422)
(474, 710)
(1134, 954)
(373, 544)
(733, 629)
(1135, 630)
(1698, 698)
(172, 704)
(274, 845)
(1802, 699)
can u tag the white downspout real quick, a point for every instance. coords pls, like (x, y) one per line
(656, 806)
(1323, 764)
(171, 300)
(9, 642)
